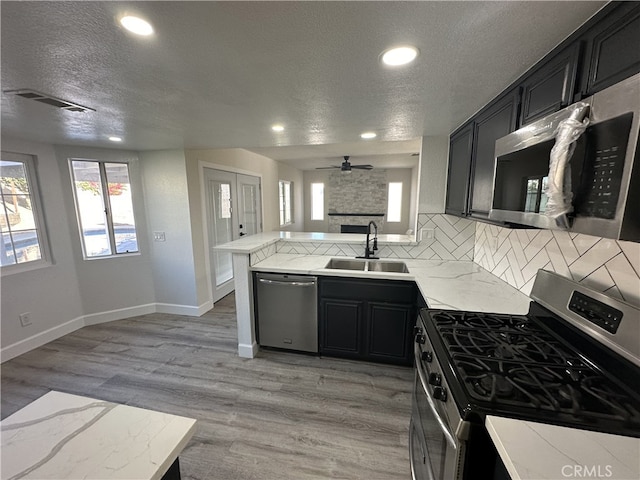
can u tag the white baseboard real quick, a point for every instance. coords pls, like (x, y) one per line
(119, 314)
(42, 338)
(247, 351)
(188, 310)
(39, 339)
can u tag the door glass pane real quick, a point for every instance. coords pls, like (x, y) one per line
(91, 209)
(221, 229)
(249, 205)
(124, 225)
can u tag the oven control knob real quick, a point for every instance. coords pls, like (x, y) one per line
(440, 393)
(435, 379)
(427, 357)
(421, 339)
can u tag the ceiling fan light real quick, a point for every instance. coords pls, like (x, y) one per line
(368, 135)
(277, 128)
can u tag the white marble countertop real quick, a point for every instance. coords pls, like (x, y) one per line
(63, 436)
(537, 451)
(447, 284)
(251, 243)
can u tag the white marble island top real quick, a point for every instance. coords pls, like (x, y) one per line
(447, 284)
(63, 436)
(538, 451)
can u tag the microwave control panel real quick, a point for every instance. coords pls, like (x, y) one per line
(604, 167)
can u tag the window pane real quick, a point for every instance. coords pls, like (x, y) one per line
(317, 201)
(281, 200)
(394, 206)
(91, 208)
(287, 202)
(20, 242)
(119, 189)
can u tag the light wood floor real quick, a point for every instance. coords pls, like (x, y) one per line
(279, 416)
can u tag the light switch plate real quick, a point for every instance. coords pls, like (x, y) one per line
(159, 237)
(25, 319)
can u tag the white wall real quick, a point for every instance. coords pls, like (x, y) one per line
(116, 282)
(296, 177)
(166, 194)
(51, 293)
(434, 158)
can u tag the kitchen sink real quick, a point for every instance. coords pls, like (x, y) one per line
(382, 266)
(367, 265)
(346, 264)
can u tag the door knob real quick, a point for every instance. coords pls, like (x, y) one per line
(242, 234)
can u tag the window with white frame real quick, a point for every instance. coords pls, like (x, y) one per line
(102, 192)
(317, 201)
(23, 233)
(394, 204)
(285, 189)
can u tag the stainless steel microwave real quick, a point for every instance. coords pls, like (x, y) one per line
(601, 176)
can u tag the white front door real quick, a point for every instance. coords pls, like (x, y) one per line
(233, 210)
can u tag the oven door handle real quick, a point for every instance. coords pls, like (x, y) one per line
(443, 426)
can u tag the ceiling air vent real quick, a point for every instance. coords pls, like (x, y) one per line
(49, 100)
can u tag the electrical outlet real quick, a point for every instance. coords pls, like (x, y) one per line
(25, 319)
(427, 233)
(158, 237)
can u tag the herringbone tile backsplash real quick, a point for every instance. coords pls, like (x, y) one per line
(516, 255)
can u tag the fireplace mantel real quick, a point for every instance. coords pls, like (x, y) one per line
(356, 214)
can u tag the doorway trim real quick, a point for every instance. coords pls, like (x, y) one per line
(203, 207)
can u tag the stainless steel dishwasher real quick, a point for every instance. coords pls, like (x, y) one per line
(287, 311)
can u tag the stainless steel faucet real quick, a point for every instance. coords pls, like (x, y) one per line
(369, 252)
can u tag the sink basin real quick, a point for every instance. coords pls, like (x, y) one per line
(346, 264)
(367, 265)
(382, 266)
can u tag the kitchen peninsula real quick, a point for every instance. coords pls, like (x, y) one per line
(451, 284)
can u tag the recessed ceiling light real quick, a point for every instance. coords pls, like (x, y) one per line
(277, 128)
(368, 135)
(399, 55)
(115, 139)
(136, 25)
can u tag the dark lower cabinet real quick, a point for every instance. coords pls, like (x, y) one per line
(367, 319)
(341, 327)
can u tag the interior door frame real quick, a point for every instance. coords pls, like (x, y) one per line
(203, 206)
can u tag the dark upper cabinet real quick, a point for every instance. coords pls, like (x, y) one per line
(460, 149)
(551, 86)
(497, 120)
(612, 49)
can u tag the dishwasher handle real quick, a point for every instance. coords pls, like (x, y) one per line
(288, 284)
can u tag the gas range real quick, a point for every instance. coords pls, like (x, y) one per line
(516, 365)
(573, 360)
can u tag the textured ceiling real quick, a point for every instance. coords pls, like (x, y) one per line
(219, 74)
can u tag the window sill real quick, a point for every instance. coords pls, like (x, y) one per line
(24, 267)
(118, 255)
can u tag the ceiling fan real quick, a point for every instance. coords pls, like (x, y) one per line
(346, 166)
